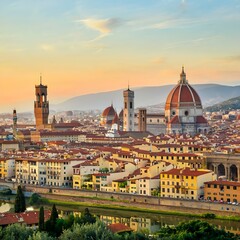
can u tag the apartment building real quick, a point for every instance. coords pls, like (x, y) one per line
(184, 183)
(222, 191)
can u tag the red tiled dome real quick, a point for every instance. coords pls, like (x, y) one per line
(183, 95)
(109, 111)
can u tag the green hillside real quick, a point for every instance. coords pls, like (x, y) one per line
(231, 104)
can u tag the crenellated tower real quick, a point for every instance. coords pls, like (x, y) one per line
(41, 105)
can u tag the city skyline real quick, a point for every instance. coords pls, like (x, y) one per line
(83, 47)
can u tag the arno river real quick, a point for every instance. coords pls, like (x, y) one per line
(136, 220)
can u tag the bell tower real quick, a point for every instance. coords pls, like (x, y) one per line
(128, 110)
(41, 105)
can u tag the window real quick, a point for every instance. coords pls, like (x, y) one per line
(131, 105)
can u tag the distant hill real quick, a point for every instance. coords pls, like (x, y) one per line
(230, 104)
(146, 96)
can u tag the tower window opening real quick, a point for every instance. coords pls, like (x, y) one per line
(131, 105)
(125, 104)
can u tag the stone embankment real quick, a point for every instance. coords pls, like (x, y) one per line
(135, 201)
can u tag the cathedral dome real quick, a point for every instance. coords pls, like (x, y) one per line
(183, 110)
(183, 95)
(109, 112)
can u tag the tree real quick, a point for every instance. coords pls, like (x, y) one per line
(87, 217)
(16, 232)
(195, 229)
(20, 204)
(40, 236)
(97, 230)
(35, 199)
(54, 214)
(41, 219)
(50, 224)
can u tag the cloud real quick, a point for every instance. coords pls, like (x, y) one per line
(47, 47)
(175, 23)
(103, 26)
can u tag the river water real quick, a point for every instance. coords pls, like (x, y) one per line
(136, 220)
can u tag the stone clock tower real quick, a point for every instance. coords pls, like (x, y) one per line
(41, 106)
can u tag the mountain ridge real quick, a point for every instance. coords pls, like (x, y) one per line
(146, 96)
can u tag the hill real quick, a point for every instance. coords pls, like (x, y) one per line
(146, 96)
(230, 104)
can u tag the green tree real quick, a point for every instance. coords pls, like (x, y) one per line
(87, 217)
(16, 232)
(40, 236)
(20, 204)
(41, 219)
(69, 221)
(35, 199)
(195, 229)
(97, 230)
(50, 225)
(54, 214)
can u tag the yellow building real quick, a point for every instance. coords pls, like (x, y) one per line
(184, 183)
(3, 170)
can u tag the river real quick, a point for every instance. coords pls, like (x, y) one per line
(136, 220)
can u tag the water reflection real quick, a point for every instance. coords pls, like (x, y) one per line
(136, 220)
(148, 221)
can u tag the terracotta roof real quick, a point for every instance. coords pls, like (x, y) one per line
(31, 217)
(109, 111)
(225, 183)
(119, 228)
(175, 120)
(185, 172)
(182, 95)
(201, 119)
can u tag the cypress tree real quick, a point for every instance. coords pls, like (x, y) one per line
(54, 215)
(20, 204)
(41, 219)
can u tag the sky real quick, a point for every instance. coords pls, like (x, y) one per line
(88, 46)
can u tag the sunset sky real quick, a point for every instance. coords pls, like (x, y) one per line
(89, 46)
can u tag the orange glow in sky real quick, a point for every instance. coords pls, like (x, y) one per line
(85, 47)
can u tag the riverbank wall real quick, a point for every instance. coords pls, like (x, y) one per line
(138, 201)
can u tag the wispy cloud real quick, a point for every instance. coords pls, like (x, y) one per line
(193, 42)
(103, 26)
(175, 23)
